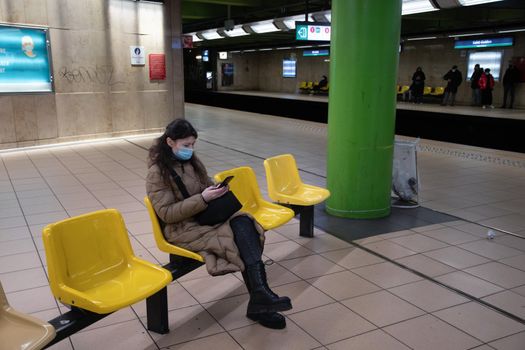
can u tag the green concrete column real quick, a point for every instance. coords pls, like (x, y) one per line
(362, 104)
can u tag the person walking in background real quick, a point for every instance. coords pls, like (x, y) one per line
(418, 84)
(486, 84)
(474, 85)
(454, 79)
(510, 79)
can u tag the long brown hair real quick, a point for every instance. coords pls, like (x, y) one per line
(161, 154)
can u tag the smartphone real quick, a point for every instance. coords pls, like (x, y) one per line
(225, 181)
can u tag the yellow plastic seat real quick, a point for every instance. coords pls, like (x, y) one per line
(438, 91)
(244, 186)
(427, 90)
(303, 86)
(325, 88)
(404, 89)
(91, 264)
(285, 185)
(21, 331)
(162, 244)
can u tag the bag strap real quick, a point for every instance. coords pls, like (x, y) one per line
(178, 181)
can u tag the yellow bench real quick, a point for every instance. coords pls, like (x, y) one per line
(93, 269)
(285, 187)
(438, 91)
(244, 186)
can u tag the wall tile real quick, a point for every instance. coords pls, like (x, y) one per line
(25, 117)
(35, 12)
(46, 113)
(7, 121)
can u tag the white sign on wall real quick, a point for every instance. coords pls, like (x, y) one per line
(138, 55)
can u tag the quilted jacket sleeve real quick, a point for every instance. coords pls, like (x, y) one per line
(169, 208)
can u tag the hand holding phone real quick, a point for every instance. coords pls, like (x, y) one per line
(225, 181)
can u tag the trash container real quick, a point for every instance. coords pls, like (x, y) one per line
(405, 182)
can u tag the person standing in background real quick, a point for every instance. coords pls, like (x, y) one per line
(474, 85)
(486, 84)
(510, 79)
(454, 79)
(418, 84)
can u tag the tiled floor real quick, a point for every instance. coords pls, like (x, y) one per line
(344, 297)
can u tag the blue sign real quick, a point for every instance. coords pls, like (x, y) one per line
(24, 60)
(480, 43)
(324, 52)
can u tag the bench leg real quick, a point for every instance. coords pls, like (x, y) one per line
(306, 221)
(157, 310)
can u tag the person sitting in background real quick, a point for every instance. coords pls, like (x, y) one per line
(486, 84)
(234, 245)
(510, 79)
(322, 83)
(474, 85)
(418, 85)
(454, 79)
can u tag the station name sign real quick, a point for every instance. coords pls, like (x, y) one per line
(481, 43)
(312, 31)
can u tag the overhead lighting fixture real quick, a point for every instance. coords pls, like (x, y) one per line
(303, 47)
(512, 30)
(263, 27)
(289, 22)
(267, 49)
(422, 38)
(283, 48)
(194, 37)
(211, 35)
(250, 50)
(464, 34)
(416, 6)
(475, 2)
(236, 31)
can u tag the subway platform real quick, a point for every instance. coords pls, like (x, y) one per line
(426, 279)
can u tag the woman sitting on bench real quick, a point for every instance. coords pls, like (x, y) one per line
(235, 245)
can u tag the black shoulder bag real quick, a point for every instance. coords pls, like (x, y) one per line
(218, 210)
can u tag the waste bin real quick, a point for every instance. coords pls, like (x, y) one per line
(405, 182)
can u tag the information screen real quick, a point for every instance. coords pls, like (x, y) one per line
(312, 31)
(480, 43)
(289, 68)
(24, 60)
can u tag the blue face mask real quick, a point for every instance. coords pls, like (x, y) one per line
(183, 153)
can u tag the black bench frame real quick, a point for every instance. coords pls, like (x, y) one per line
(77, 319)
(306, 219)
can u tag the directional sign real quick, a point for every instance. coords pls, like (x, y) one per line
(312, 31)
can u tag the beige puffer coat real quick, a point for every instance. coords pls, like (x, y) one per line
(214, 243)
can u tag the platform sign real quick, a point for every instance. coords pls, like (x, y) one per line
(482, 43)
(312, 31)
(24, 60)
(324, 52)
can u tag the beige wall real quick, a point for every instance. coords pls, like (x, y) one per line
(263, 70)
(97, 91)
(436, 57)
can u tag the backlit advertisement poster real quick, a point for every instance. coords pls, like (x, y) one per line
(24, 60)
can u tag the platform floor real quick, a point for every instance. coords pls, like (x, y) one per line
(423, 287)
(426, 107)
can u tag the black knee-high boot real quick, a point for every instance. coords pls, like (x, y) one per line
(262, 299)
(273, 320)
